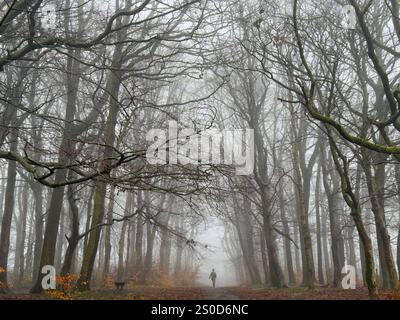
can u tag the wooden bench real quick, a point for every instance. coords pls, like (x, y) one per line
(119, 285)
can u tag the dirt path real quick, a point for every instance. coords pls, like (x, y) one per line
(140, 293)
(208, 293)
(218, 294)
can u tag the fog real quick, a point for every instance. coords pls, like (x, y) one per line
(215, 257)
(144, 143)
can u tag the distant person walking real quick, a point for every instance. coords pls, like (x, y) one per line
(213, 277)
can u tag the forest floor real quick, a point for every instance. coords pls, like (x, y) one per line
(207, 293)
(300, 293)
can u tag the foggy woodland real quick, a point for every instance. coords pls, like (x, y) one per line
(83, 82)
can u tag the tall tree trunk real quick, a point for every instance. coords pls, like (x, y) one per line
(148, 260)
(121, 247)
(353, 203)
(267, 280)
(179, 249)
(29, 250)
(277, 279)
(296, 252)
(65, 156)
(37, 189)
(128, 264)
(138, 263)
(74, 237)
(302, 186)
(375, 186)
(8, 213)
(263, 182)
(352, 249)
(60, 242)
(9, 129)
(304, 228)
(245, 235)
(286, 230)
(132, 230)
(164, 256)
(2, 193)
(357, 194)
(107, 236)
(150, 234)
(122, 271)
(321, 279)
(325, 246)
(337, 248)
(397, 171)
(19, 262)
(89, 215)
(100, 185)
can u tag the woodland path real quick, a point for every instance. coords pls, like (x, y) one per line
(208, 293)
(218, 294)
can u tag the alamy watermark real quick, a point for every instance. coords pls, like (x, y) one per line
(49, 277)
(349, 21)
(210, 147)
(349, 279)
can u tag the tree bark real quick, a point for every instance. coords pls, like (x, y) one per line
(353, 203)
(286, 230)
(263, 182)
(267, 280)
(9, 200)
(321, 279)
(74, 238)
(107, 236)
(100, 185)
(19, 262)
(150, 235)
(337, 243)
(304, 228)
(397, 172)
(164, 255)
(2, 193)
(138, 263)
(65, 156)
(37, 189)
(375, 186)
(179, 250)
(121, 247)
(245, 235)
(60, 242)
